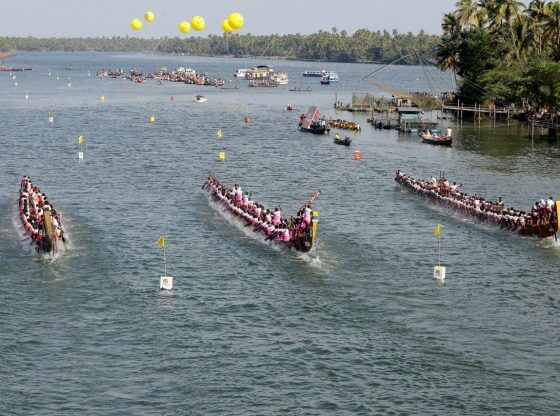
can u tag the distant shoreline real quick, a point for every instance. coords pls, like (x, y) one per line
(7, 54)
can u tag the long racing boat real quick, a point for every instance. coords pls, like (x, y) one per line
(541, 221)
(40, 220)
(298, 232)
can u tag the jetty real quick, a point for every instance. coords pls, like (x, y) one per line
(477, 110)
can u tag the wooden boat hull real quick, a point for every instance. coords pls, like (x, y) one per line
(435, 142)
(320, 130)
(343, 142)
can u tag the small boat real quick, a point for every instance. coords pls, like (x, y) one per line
(431, 137)
(301, 89)
(299, 232)
(200, 99)
(40, 220)
(329, 78)
(280, 78)
(313, 122)
(344, 142)
(315, 74)
(289, 107)
(265, 83)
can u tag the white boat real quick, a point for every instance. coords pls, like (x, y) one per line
(200, 99)
(280, 78)
(241, 73)
(317, 74)
(329, 78)
(186, 71)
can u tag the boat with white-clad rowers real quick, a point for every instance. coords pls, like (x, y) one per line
(41, 222)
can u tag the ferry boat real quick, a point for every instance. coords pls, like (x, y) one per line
(315, 74)
(299, 232)
(241, 73)
(329, 78)
(40, 220)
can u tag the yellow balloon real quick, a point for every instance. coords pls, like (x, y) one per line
(236, 21)
(184, 27)
(198, 23)
(149, 16)
(226, 27)
(136, 24)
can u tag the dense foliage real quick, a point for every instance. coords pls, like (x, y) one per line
(362, 46)
(504, 51)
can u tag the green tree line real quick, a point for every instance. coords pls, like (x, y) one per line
(362, 46)
(504, 51)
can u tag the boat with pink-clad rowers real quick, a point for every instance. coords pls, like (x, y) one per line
(40, 220)
(298, 232)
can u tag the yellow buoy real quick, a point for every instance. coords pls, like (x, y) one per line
(184, 27)
(226, 26)
(102, 98)
(236, 21)
(80, 139)
(136, 24)
(149, 16)
(219, 134)
(198, 23)
(152, 119)
(222, 156)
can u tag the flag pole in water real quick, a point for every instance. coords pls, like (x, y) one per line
(439, 270)
(165, 281)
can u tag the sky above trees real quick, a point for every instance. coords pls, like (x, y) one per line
(79, 18)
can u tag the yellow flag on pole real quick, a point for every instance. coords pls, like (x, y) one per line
(437, 231)
(80, 139)
(161, 242)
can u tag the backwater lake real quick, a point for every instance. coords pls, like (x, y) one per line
(357, 327)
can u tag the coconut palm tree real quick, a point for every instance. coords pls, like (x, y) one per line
(551, 27)
(467, 13)
(449, 25)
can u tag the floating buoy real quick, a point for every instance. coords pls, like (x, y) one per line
(57, 78)
(80, 155)
(136, 24)
(184, 27)
(149, 16)
(439, 273)
(357, 155)
(222, 156)
(69, 84)
(166, 283)
(152, 119)
(27, 95)
(171, 98)
(247, 120)
(198, 23)
(226, 26)
(15, 84)
(102, 98)
(14, 77)
(236, 21)
(219, 134)
(51, 119)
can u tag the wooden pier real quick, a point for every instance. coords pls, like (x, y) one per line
(477, 110)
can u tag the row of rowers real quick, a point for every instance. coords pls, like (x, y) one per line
(270, 222)
(32, 203)
(484, 210)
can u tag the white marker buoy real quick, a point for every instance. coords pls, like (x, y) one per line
(439, 273)
(81, 155)
(166, 283)
(51, 119)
